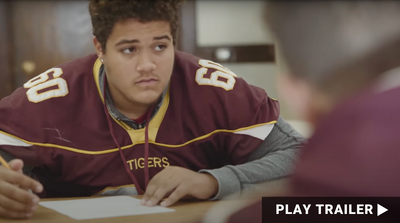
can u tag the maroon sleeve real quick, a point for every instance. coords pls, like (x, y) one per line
(234, 112)
(39, 114)
(13, 114)
(253, 115)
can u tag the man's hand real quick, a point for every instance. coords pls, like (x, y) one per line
(179, 182)
(16, 202)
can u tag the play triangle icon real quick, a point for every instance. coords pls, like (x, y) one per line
(380, 209)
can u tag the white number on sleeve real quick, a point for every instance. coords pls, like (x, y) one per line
(40, 89)
(228, 77)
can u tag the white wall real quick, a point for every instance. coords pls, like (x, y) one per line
(238, 22)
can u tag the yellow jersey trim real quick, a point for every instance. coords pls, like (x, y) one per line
(139, 142)
(136, 135)
(96, 69)
(273, 98)
(96, 74)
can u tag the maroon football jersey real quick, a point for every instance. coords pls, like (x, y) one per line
(57, 124)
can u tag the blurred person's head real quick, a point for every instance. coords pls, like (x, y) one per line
(332, 49)
(135, 41)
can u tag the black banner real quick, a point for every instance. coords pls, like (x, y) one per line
(330, 209)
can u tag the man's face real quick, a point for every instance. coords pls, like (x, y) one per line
(138, 60)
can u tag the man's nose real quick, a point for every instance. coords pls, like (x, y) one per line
(145, 63)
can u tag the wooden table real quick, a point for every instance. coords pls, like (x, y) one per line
(185, 212)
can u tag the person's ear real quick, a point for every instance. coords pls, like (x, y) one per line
(297, 94)
(99, 48)
(306, 101)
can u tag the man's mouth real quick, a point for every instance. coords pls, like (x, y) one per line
(147, 82)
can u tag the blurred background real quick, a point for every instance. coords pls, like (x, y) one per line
(37, 35)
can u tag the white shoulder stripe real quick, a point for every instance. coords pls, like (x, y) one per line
(7, 140)
(260, 132)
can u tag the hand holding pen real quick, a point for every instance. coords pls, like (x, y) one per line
(15, 201)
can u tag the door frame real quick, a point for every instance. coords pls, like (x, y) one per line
(6, 63)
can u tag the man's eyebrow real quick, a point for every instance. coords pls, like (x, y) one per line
(162, 37)
(124, 41)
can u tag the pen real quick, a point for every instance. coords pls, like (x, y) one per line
(4, 163)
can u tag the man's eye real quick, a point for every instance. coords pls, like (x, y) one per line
(129, 50)
(160, 47)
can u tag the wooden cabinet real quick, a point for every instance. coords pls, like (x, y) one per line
(37, 35)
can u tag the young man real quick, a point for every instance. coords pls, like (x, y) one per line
(139, 117)
(344, 78)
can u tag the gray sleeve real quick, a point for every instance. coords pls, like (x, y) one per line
(272, 160)
(8, 157)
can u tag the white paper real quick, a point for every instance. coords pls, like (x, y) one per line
(106, 207)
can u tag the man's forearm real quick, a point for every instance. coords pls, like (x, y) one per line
(272, 160)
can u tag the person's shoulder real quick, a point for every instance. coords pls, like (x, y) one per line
(54, 88)
(365, 107)
(61, 95)
(357, 116)
(360, 134)
(208, 76)
(186, 59)
(213, 88)
(80, 66)
(62, 80)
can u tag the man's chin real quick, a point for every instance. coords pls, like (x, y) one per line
(148, 98)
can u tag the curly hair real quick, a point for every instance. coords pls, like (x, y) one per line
(106, 13)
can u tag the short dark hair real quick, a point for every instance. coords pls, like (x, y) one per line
(106, 13)
(324, 41)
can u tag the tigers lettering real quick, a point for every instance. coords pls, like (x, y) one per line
(152, 162)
